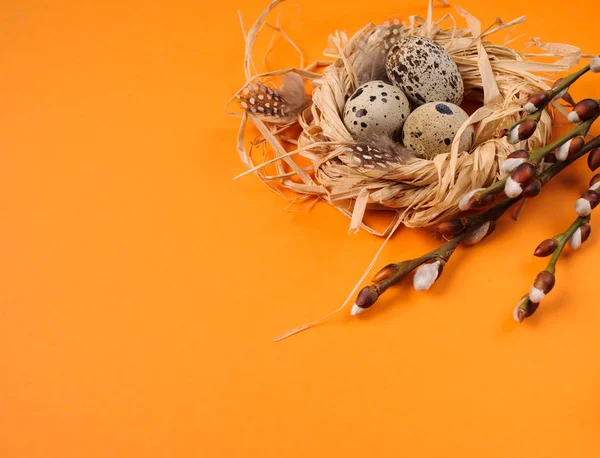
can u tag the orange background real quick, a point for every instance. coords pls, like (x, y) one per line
(141, 287)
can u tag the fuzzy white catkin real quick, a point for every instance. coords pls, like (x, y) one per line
(478, 234)
(356, 310)
(510, 164)
(583, 207)
(536, 295)
(512, 188)
(575, 239)
(573, 117)
(595, 64)
(530, 107)
(563, 151)
(464, 202)
(513, 136)
(426, 275)
(595, 186)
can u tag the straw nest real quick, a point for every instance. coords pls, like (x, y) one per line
(421, 192)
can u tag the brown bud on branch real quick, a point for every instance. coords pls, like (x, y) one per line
(520, 177)
(570, 148)
(587, 202)
(365, 299)
(562, 93)
(385, 273)
(580, 235)
(522, 131)
(594, 159)
(524, 309)
(513, 160)
(546, 248)
(532, 189)
(532, 308)
(451, 227)
(488, 200)
(469, 200)
(523, 173)
(584, 110)
(536, 102)
(543, 284)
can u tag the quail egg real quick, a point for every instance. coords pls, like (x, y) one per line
(376, 108)
(431, 128)
(424, 71)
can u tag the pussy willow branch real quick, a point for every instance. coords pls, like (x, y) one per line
(562, 240)
(536, 155)
(551, 94)
(369, 294)
(405, 267)
(526, 307)
(545, 280)
(542, 100)
(567, 81)
(558, 167)
(476, 227)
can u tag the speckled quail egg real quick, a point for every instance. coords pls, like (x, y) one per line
(424, 71)
(431, 128)
(376, 108)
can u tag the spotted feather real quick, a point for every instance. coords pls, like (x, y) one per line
(371, 61)
(278, 105)
(260, 99)
(381, 155)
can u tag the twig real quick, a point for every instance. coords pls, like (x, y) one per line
(458, 230)
(534, 158)
(575, 235)
(545, 280)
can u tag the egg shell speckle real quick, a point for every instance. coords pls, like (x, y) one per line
(424, 71)
(431, 128)
(376, 108)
